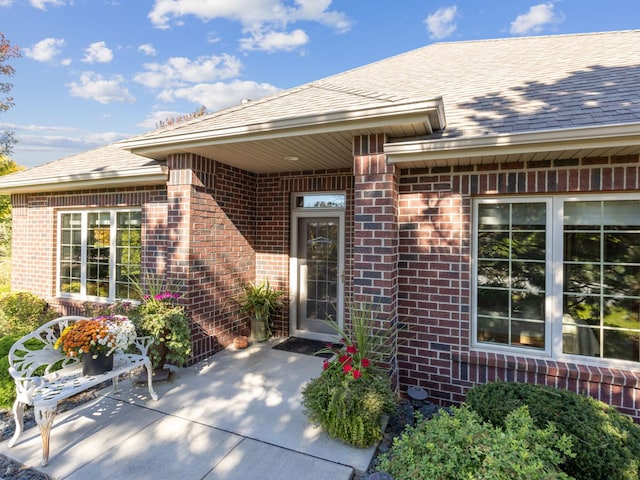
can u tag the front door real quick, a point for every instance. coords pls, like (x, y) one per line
(317, 269)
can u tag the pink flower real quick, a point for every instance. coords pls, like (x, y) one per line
(351, 349)
(347, 368)
(356, 373)
(365, 362)
(325, 364)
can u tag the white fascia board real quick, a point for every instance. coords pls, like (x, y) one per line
(140, 176)
(430, 112)
(606, 136)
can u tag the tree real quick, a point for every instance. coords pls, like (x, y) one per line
(7, 51)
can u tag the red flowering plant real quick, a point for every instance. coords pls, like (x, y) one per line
(352, 394)
(347, 358)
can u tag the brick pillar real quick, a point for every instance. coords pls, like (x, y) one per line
(375, 236)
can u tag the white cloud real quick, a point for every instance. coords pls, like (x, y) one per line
(535, 19)
(272, 41)
(45, 50)
(147, 49)
(180, 71)
(255, 16)
(98, 52)
(6, 3)
(215, 96)
(441, 24)
(95, 87)
(42, 4)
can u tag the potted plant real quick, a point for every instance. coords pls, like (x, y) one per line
(95, 340)
(260, 301)
(163, 318)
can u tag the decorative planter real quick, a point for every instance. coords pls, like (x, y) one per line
(96, 366)
(259, 330)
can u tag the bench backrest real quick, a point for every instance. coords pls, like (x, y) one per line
(25, 359)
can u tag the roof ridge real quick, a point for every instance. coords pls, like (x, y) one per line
(534, 37)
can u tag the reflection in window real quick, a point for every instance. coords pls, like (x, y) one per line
(99, 254)
(511, 274)
(601, 299)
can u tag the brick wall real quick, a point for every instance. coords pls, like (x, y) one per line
(274, 225)
(210, 248)
(35, 229)
(376, 246)
(434, 277)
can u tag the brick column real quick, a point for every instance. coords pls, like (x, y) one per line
(375, 236)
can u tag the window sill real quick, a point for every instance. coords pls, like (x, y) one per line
(550, 368)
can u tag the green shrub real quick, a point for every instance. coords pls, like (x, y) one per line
(7, 385)
(461, 446)
(606, 443)
(22, 312)
(349, 408)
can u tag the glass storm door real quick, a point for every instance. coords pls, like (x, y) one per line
(319, 258)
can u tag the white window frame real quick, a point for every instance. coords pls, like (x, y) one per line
(84, 215)
(554, 278)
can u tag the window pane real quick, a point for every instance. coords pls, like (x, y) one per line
(527, 305)
(621, 344)
(493, 245)
(94, 240)
(494, 217)
(492, 273)
(511, 273)
(529, 334)
(602, 279)
(492, 302)
(491, 329)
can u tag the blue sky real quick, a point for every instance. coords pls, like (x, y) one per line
(97, 71)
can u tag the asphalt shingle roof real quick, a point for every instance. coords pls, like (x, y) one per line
(488, 87)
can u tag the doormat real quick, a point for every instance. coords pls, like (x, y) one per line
(303, 346)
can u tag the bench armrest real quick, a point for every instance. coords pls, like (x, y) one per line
(25, 386)
(143, 344)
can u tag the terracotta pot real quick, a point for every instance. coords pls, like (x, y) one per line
(241, 342)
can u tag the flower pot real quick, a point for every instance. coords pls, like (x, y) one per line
(96, 366)
(259, 330)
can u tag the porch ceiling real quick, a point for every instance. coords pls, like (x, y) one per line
(302, 143)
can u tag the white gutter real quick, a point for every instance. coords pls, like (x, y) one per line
(138, 176)
(605, 136)
(352, 119)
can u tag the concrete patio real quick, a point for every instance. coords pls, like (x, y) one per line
(237, 416)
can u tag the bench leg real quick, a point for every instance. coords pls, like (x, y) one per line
(44, 419)
(18, 415)
(152, 392)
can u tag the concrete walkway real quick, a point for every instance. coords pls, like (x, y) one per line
(237, 416)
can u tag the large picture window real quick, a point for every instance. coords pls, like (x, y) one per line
(99, 254)
(560, 276)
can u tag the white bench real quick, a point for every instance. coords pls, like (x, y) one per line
(44, 392)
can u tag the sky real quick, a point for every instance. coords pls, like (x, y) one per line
(93, 72)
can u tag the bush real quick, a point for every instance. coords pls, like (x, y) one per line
(7, 385)
(607, 443)
(22, 312)
(347, 408)
(460, 446)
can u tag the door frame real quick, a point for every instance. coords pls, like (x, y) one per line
(297, 213)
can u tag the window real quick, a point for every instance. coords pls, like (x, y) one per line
(560, 276)
(99, 254)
